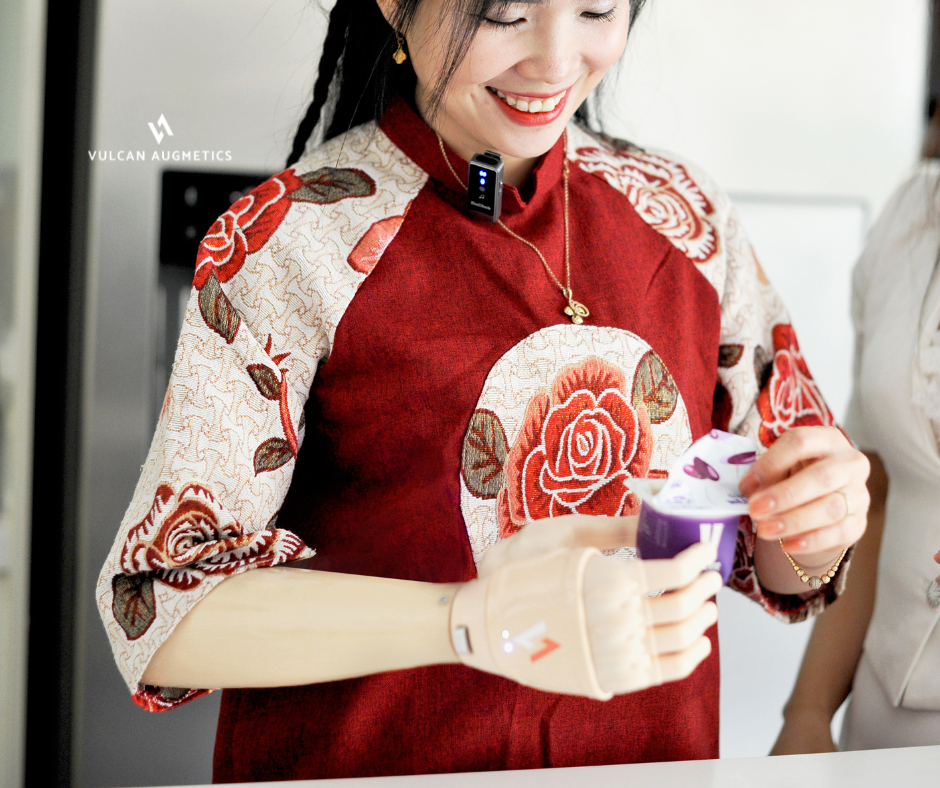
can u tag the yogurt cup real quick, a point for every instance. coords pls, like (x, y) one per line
(699, 502)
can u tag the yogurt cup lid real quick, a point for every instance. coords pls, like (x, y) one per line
(704, 481)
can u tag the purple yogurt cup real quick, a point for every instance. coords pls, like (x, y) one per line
(662, 535)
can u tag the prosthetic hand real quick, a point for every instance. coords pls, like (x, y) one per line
(548, 610)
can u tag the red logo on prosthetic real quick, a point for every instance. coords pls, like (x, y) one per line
(532, 638)
(550, 646)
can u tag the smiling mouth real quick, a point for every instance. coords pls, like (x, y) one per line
(532, 106)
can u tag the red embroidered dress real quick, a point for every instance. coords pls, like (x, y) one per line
(366, 372)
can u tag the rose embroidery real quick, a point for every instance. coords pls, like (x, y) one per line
(663, 194)
(244, 228)
(791, 397)
(576, 448)
(189, 535)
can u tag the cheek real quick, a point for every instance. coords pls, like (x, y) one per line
(600, 50)
(427, 59)
(490, 55)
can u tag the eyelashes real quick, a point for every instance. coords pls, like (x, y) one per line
(603, 16)
(591, 16)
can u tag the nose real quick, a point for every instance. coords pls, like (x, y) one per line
(553, 56)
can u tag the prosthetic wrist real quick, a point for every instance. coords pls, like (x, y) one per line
(526, 621)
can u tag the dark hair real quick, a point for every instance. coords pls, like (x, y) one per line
(357, 79)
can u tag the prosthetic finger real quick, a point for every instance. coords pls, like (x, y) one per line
(629, 653)
(674, 667)
(666, 574)
(679, 605)
(624, 641)
(672, 638)
(526, 621)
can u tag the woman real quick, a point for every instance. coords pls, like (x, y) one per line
(884, 647)
(454, 383)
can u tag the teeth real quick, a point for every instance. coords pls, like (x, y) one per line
(534, 106)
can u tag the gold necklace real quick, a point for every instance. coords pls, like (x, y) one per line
(574, 310)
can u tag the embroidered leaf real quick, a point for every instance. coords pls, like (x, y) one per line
(654, 388)
(134, 606)
(217, 310)
(762, 366)
(329, 184)
(267, 382)
(729, 355)
(272, 454)
(484, 455)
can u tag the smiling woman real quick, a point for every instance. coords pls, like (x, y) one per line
(462, 51)
(394, 447)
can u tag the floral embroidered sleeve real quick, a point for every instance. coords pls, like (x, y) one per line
(764, 389)
(273, 277)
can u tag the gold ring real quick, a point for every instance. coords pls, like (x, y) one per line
(848, 505)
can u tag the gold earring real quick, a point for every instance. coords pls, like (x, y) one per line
(399, 55)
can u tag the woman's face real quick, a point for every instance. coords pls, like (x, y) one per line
(528, 69)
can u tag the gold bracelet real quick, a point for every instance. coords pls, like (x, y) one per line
(815, 582)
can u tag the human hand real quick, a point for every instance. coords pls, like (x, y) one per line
(809, 490)
(804, 732)
(549, 611)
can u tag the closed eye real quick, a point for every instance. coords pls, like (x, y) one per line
(600, 16)
(504, 23)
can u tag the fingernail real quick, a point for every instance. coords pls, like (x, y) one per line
(748, 484)
(794, 545)
(767, 528)
(762, 505)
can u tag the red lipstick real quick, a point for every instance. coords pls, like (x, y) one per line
(531, 118)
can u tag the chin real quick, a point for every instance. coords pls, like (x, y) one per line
(522, 143)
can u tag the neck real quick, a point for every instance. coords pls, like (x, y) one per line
(515, 171)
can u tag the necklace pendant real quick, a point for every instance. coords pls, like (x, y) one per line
(576, 311)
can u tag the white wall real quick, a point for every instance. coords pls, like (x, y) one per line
(779, 100)
(799, 97)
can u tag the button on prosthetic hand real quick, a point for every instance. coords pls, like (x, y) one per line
(548, 610)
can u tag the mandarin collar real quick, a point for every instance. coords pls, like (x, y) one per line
(415, 138)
